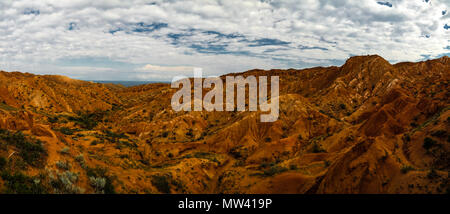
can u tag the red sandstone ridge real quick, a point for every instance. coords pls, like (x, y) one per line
(365, 127)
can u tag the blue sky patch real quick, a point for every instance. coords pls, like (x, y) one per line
(223, 36)
(443, 54)
(385, 3)
(30, 11)
(267, 42)
(142, 27)
(72, 26)
(209, 48)
(271, 50)
(113, 31)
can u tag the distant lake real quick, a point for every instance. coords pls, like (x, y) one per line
(127, 83)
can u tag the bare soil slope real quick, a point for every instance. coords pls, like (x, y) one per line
(365, 127)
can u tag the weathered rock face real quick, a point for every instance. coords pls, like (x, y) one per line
(54, 93)
(42, 131)
(365, 127)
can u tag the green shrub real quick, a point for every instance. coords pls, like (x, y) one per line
(207, 156)
(66, 131)
(100, 173)
(53, 119)
(432, 174)
(80, 158)
(165, 134)
(274, 170)
(293, 167)
(428, 143)
(95, 142)
(407, 138)
(405, 169)
(3, 163)
(98, 184)
(161, 183)
(189, 133)
(64, 183)
(19, 183)
(114, 137)
(238, 152)
(316, 148)
(439, 133)
(88, 121)
(65, 150)
(63, 165)
(31, 151)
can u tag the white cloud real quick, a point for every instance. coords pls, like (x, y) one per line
(35, 35)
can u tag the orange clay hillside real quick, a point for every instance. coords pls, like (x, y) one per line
(365, 127)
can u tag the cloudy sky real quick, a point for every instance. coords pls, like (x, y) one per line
(158, 39)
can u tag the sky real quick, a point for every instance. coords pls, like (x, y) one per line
(155, 40)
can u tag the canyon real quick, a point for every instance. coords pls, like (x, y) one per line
(368, 126)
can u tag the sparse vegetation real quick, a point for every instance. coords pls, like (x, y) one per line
(165, 134)
(52, 119)
(65, 151)
(208, 156)
(80, 159)
(429, 143)
(30, 150)
(3, 163)
(439, 133)
(98, 174)
(18, 183)
(114, 137)
(98, 184)
(238, 152)
(271, 169)
(67, 131)
(405, 169)
(7, 107)
(154, 149)
(95, 142)
(190, 133)
(63, 165)
(65, 182)
(161, 183)
(274, 170)
(407, 138)
(87, 120)
(432, 174)
(316, 148)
